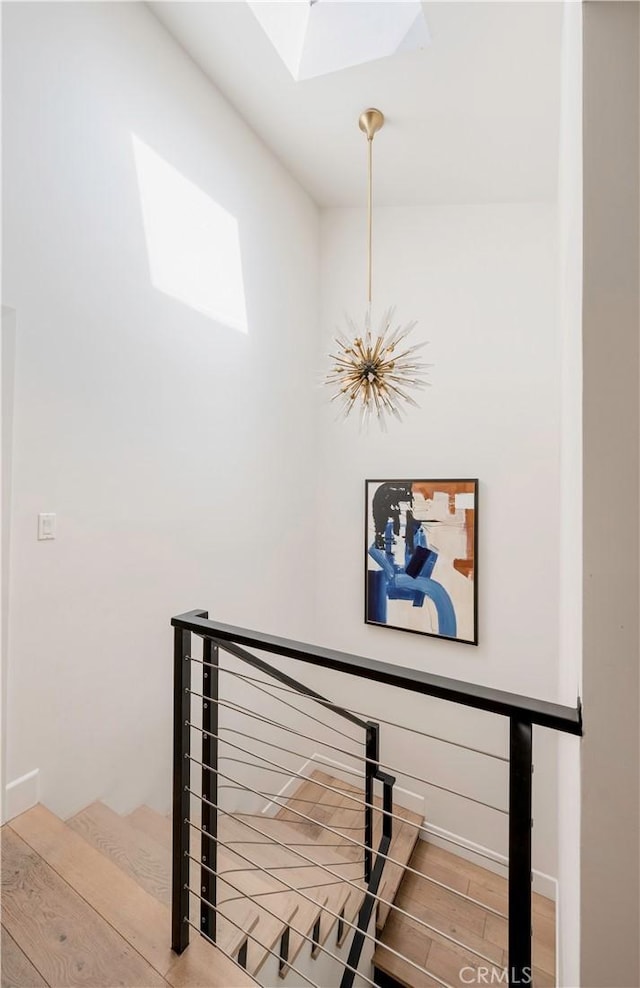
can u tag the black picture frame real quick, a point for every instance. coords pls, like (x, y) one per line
(422, 559)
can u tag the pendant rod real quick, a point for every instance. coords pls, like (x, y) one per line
(370, 123)
(369, 215)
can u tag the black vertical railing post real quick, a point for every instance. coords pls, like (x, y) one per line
(520, 824)
(372, 757)
(209, 813)
(388, 782)
(181, 780)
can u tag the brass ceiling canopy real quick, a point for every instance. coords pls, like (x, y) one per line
(370, 122)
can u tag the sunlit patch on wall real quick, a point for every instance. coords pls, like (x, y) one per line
(193, 243)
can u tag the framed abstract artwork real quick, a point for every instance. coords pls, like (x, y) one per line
(421, 547)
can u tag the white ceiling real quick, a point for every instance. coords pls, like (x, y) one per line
(473, 117)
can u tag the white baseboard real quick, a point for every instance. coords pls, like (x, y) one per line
(404, 797)
(288, 787)
(20, 795)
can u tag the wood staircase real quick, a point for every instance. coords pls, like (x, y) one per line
(87, 902)
(470, 922)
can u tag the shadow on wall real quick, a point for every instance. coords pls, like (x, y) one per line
(193, 243)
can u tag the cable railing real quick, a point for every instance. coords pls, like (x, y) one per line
(238, 837)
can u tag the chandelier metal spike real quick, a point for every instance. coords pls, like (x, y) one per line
(369, 369)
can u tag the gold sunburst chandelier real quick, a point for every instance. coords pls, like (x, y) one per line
(372, 371)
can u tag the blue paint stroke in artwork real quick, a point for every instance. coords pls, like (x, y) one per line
(400, 586)
(447, 624)
(385, 564)
(376, 596)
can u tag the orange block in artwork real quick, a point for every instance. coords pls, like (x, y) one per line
(428, 489)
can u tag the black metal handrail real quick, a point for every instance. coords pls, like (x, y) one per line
(540, 712)
(523, 712)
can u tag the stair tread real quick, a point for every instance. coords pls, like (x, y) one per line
(198, 967)
(327, 808)
(351, 788)
(17, 969)
(151, 823)
(147, 861)
(341, 814)
(449, 913)
(283, 861)
(282, 831)
(68, 941)
(266, 854)
(114, 894)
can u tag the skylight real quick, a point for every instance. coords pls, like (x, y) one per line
(317, 37)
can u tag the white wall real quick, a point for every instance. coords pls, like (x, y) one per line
(177, 452)
(482, 283)
(570, 640)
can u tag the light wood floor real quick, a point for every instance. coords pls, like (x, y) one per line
(466, 922)
(72, 917)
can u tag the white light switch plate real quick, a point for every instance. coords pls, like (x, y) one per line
(46, 526)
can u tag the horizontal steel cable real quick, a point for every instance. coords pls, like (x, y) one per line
(290, 867)
(306, 715)
(306, 843)
(347, 881)
(296, 799)
(265, 768)
(470, 848)
(359, 775)
(362, 713)
(407, 867)
(343, 768)
(290, 751)
(290, 772)
(267, 871)
(350, 840)
(272, 723)
(324, 785)
(320, 700)
(335, 915)
(465, 847)
(413, 871)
